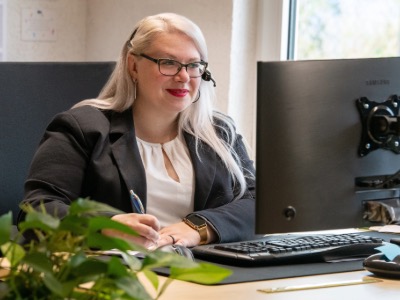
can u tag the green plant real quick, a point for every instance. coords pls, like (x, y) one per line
(60, 263)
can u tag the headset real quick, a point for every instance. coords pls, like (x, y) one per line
(207, 77)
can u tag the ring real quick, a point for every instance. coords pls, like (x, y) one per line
(173, 240)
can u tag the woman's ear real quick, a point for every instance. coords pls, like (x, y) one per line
(132, 66)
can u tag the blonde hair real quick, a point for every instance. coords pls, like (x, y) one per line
(198, 119)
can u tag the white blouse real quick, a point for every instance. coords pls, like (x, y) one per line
(167, 199)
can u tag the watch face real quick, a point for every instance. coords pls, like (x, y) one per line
(196, 220)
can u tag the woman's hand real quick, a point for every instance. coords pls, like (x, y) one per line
(147, 226)
(182, 234)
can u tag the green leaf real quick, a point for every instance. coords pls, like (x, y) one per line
(43, 217)
(39, 220)
(91, 267)
(100, 223)
(77, 259)
(157, 259)
(13, 252)
(56, 286)
(86, 206)
(152, 277)
(116, 268)
(75, 224)
(5, 227)
(39, 262)
(164, 287)
(99, 241)
(205, 273)
(132, 287)
(131, 261)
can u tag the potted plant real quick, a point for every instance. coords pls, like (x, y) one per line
(66, 259)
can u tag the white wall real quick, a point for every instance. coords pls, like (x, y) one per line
(70, 31)
(2, 29)
(242, 89)
(110, 25)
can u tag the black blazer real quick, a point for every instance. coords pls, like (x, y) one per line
(86, 152)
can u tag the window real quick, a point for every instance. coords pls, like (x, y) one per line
(329, 29)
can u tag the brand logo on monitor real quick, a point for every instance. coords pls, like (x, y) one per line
(378, 82)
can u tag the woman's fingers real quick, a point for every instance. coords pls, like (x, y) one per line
(179, 234)
(147, 227)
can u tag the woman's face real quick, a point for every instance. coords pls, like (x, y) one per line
(160, 93)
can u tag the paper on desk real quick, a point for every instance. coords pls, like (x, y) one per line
(386, 228)
(116, 252)
(319, 285)
(389, 250)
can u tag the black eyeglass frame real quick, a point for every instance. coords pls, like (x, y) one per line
(158, 60)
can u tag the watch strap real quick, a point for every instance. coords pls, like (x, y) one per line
(201, 229)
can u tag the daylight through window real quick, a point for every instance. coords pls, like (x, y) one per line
(327, 29)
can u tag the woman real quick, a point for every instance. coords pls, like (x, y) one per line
(152, 133)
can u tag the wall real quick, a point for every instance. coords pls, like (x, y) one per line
(68, 19)
(110, 25)
(2, 29)
(242, 91)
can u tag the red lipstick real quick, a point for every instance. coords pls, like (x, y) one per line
(178, 92)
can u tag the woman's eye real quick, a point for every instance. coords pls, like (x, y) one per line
(194, 65)
(168, 62)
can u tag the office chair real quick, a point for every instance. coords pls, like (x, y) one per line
(31, 93)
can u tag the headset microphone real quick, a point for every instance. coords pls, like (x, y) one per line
(207, 77)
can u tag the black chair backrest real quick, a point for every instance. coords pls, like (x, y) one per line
(31, 93)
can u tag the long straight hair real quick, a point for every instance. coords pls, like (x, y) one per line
(199, 119)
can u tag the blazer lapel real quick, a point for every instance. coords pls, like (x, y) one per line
(204, 170)
(127, 157)
(126, 153)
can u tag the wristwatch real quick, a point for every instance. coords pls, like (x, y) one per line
(198, 224)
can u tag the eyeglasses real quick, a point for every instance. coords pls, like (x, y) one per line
(170, 67)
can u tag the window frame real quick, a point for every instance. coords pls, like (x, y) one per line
(273, 20)
(292, 28)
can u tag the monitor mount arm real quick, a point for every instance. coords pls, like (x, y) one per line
(380, 125)
(379, 182)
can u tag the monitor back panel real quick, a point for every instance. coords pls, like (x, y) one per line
(308, 136)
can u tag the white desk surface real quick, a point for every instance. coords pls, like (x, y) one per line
(387, 289)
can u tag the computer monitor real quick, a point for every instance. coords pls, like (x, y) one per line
(327, 140)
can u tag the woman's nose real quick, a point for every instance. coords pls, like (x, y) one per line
(183, 75)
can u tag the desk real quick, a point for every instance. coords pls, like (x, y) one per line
(387, 289)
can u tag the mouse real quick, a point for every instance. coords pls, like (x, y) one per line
(379, 265)
(178, 249)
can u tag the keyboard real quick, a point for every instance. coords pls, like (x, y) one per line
(291, 249)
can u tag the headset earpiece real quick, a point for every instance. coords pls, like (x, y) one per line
(207, 77)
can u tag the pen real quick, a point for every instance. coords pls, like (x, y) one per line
(136, 202)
